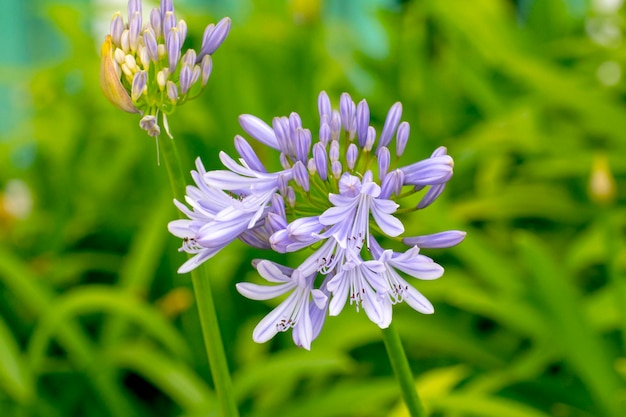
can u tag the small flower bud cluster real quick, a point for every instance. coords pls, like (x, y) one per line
(337, 196)
(144, 69)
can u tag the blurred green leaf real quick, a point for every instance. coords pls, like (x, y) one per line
(570, 327)
(169, 375)
(15, 377)
(99, 299)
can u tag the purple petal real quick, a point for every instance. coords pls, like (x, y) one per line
(258, 129)
(391, 124)
(362, 122)
(436, 240)
(263, 292)
(248, 155)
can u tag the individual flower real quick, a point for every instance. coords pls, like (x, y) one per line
(336, 197)
(144, 68)
(296, 311)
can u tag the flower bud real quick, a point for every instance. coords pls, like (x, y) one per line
(206, 66)
(351, 156)
(391, 124)
(402, 138)
(323, 105)
(362, 121)
(214, 36)
(156, 22)
(117, 27)
(172, 92)
(139, 84)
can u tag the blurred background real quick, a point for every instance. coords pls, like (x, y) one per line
(528, 96)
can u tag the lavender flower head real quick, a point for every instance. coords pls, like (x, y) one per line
(144, 68)
(337, 198)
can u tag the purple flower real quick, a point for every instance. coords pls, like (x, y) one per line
(303, 310)
(335, 199)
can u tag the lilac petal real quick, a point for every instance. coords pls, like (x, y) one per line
(321, 164)
(431, 195)
(134, 6)
(206, 65)
(172, 91)
(336, 169)
(263, 292)
(259, 130)
(317, 313)
(391, 124)
(378, 310)
(257, 238)
(325, 134)
(139, 84)
(194, 262)
(391, 184)
(185, 79)
(273, 272)
(134, 30)
(339, 287)
(117, 27)
(268, 326)
(362, 122)
(151, 45)
(333, 153)
(390, 225)
(323, 104)
(334, 215)
(351, 156)
(440, 151)
(335, 125)
(227, 180)
(219, 234)
(347, 111)
(173, 49)
(169, 23)
(248, 155)
(303, 144)
(167, 6)
(319, 299)
(385, 206)
(295, 123)
(384, 160)
(180, 228)
(182, 29)
(402, 138)
(417, 301)
(436, 240)
(371, 138)
(301, 175)
(303, 330)
(434, 170)
(214, 37)
(156, 22)
(411, 263)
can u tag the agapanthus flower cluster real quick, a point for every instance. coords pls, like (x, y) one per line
(144, 69)
(337, 198)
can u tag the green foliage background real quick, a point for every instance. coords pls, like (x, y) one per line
(530, 320)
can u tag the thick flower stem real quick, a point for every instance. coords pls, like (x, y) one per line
(204, 300)
(402, 370)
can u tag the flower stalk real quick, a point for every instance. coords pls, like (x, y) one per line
(402, 371)
(209, 325)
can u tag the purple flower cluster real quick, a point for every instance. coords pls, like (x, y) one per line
(335, 197)
(144, 69)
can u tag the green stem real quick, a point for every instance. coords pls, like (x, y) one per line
(402, 370)
(204, 300)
